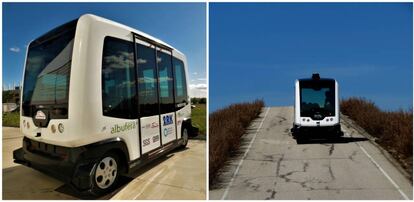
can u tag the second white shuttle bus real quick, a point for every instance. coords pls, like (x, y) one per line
(100, 99)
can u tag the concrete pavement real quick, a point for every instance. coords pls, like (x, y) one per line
(178, 175)
(271, 165)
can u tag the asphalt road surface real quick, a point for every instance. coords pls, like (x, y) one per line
(271, 165)
(179, 175)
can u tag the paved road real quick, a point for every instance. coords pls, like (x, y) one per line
(273, 166)
(179, 175)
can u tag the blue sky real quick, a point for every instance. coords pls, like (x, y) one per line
(258, 50)
(183, 25)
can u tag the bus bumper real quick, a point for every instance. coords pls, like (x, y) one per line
(322, 131)
(60, 162)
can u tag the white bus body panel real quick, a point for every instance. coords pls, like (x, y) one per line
(150, 133)
(86, 123)
(168, 128)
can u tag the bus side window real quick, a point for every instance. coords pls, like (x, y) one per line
(166, 82)
(147, 81)
(180, 82)
(118, 80)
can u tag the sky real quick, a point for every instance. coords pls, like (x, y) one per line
(257, 50)
(182, 25)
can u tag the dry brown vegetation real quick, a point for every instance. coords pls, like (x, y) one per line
(393, 129)
(226, 127)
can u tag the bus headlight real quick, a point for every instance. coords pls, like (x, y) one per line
(53, 128)
(331, 119)
(28, 125)
(61, 128)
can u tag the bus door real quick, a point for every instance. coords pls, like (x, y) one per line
(148, 100)
(166, 93)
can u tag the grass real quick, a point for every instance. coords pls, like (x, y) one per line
(226, 127)
(198, 118)
(393, 129)
(11, 119)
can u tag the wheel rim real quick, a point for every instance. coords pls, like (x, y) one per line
(106, 172)
(185, 136)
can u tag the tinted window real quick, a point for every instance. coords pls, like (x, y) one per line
(118, 79)
(147, 81)
(180, 82)
(317, 98)
(166, 82)
(47, 73)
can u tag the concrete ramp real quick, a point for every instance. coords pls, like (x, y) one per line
(271, 165)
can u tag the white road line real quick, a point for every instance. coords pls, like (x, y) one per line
(244, 156)
(383, 172)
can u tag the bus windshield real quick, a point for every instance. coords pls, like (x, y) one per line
(47, 73)
(317, 98)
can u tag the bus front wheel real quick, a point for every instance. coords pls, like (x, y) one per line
(105, 174)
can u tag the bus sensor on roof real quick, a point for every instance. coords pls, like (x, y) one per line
(315, 76)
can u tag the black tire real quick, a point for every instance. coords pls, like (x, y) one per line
(294, 135)
(104, 179)
(301, 140)
(340, 133)
(184, 137)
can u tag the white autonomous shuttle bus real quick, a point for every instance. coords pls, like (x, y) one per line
(101, 99)
(316, 108)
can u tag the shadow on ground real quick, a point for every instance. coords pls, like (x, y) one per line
(337, 140)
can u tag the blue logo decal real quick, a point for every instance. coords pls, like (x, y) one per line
(168, 119)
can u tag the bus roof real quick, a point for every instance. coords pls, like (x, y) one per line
(121, 26)
(101, 19)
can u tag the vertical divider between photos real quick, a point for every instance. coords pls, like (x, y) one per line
(207, 4)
